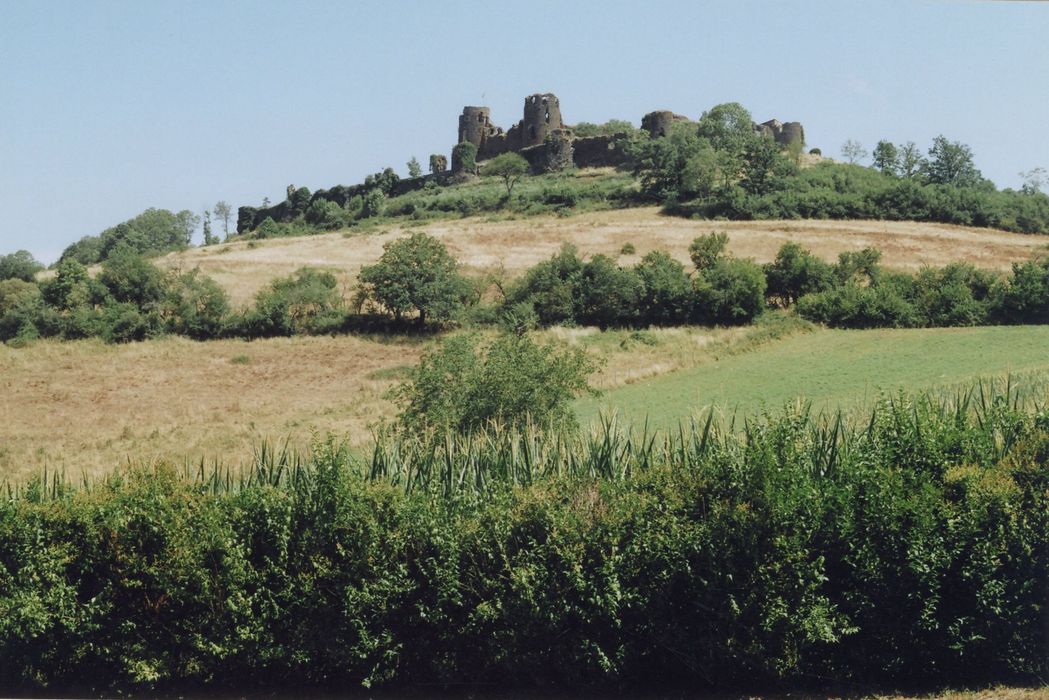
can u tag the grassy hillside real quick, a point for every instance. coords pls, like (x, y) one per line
(513, 245)
(832, 368)
(87, 407)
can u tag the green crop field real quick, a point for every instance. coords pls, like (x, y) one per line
(832, 369)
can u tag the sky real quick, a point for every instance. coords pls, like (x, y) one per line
(109, 107)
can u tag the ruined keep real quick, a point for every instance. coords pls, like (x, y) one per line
(541, 137)
(784, 134)
(658, 123)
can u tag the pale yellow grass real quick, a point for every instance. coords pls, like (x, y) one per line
(86, 407)
(515, 245)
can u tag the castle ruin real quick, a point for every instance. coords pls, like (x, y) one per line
(541, 137)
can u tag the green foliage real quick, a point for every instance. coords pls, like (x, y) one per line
(665, 296)
(612, 127)
(414, 168)
(384, 181)
(307, 302)
(853, 151)
(20, 265)
(152, 232)
(510, 167)
(130, 278)
(196, 306)
(730, 291)
(679, 165)
(887, 158)
(707, 249)
(373, 203)
(951, 163)
(609, 295)
(465, 385)
(325, 214)
(796, 272)
(417, 275)
(729, 129)
(699, 558)
(550, 287)
(464, 155)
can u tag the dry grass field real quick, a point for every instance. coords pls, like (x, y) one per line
(86, 407)
(483, 245)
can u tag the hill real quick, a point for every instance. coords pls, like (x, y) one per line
(483, 244)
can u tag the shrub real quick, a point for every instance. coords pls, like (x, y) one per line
(729, 292)
(464, 385)
(707, 249)
(796, 272)
(464, 157)
(373, 204)
(307, 302)
(609, 295)
(196, 306)
(665, 289)
(19, 265)
(132, 279)
(325, 214)
(1025, 299)
(550, 287)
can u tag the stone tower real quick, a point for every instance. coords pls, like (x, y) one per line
(542, 114)
(475, 125)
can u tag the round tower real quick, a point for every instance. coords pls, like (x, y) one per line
(658, 123)
(474, 125)
(542, 114)
(792, 132)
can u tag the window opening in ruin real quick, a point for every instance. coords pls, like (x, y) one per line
(548, 117)
(480, 118)
(531, 131)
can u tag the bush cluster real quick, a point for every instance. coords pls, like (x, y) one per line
(656, 291)
(907, 549)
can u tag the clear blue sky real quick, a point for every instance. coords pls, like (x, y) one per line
(110, 107)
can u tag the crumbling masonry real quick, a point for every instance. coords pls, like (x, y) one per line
(541, 137)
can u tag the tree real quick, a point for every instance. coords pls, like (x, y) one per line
(795, 273)
(764, 166)
(550, 287)
(196, 306)
(1034, 180)
(730, 291)
(19, 265)
(464, 384)
(609, 295)
(951, 163)
(224, 212)
(680, 165)
(887, 158)
(415, 274)
(511, 167)
(414, 168)
(707, 249)
(853, 151)
(910, 160)
(208, 238)
(664, 289)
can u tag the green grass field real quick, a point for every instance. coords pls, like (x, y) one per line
(832, 369)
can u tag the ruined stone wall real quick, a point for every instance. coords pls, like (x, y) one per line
(792, 132)
(599, 151)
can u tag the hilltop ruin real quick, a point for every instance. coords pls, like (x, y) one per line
(541, 137)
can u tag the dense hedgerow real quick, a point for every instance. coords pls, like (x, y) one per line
(907, 548)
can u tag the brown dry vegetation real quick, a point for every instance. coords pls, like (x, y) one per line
(514, 245)
(88, 407)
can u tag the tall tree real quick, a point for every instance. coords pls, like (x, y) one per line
(910, 161)
(511, 167)
(224, 212)
(414, 168)
(853, 151)
(951, 163)
(887, 158)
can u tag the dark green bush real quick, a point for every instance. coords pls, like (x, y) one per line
(729, 292)
(905, 548)
(19, 265)
(608, 295)
(308, 302)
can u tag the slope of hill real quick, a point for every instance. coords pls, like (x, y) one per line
(485, 244)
